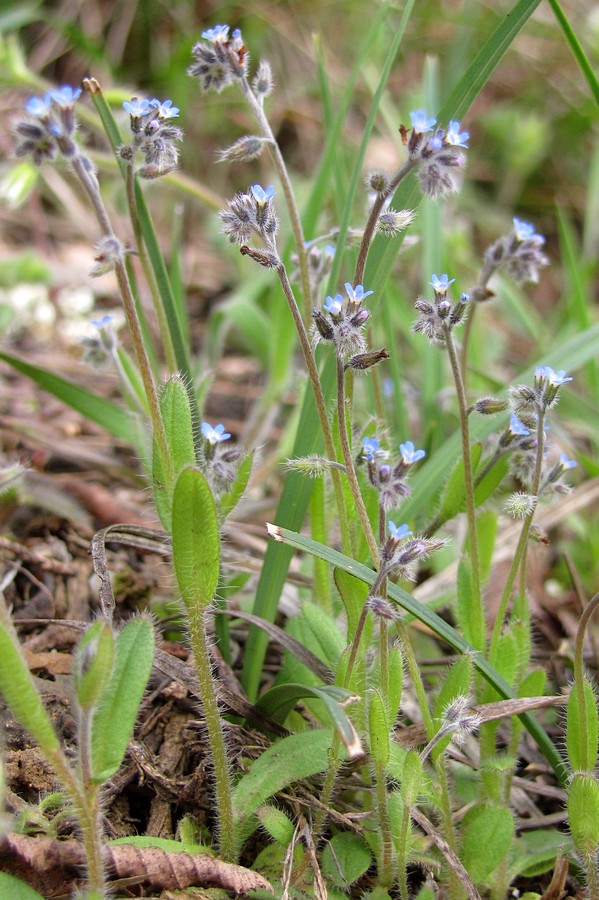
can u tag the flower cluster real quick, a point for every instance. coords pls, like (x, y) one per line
(154, 135)
(437, 151)
(219, 60)
(50, 128)
(520, 252)
(389, 480)
(544, 394)
(401, 551)
(252, 213)
(531, 404)
(342, 322)
(438, 318)
(220, 464)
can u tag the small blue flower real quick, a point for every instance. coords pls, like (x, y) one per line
(66, 95)
(104, 322)
(421, 121)
(441, 285)
(214, 435)
(220, 33)
(567, 463)
(517, 427)
(454, 137)
(262, 196)
(39, 106)
(136, 107)
(333, 305)
(436, 142)
(370, 447)
(554, 378)
(356, 294)
(398, 532)
(165, 110)
(409, 455)
(524, 231)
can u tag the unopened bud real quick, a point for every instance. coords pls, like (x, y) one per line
(363, 361)
(488, 406)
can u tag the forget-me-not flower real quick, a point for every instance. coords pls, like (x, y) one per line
(398, 532)
(214, 435)
(421, 121)
(409, 455)
(454, 137)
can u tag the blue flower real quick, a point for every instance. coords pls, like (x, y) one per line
(333, 305)
(409, 455)
(421, 121)
(66, 95)
(454, 137)
(370, 447)
(219, 33)
(214, 435)
(136, 107)
(39, 106)
(398, 532)
(554, 378)
(524, 231)
(104, 322)
(517, 427)
(567, 463)
(436, 142)
(165, 110)
(262, 196)
(356, 294)
(441, 285)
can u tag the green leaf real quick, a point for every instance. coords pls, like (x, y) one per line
(582, 729)
(487, 834)
(196, 540)
(95, 408)
(276, 823)
(147, 841)
(279, 701)
(429, 618)
(178, 427)
(576, 48)
(16, 889)
(353, 593)
(491, 480)
(583, 814)
(16, 685)
(456, 683)
(113, 723)
(93, 663)
(470, 615)
(229, 501)
(345, 858)
(486, 528)
(378, 728)
(290, 759)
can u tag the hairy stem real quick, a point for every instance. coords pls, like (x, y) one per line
(349, 465)
(89, 182)
(468, 474)
(222, 777)
(320, 402)
(373, 218)
(281, 169)
(522, 542)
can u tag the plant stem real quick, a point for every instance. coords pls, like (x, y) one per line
(321, 406)
(222, 777)
(349, 465)
(281, 169)
(468, 474)
(373, 218)
(89, 182)
(165, 332)
(522, 541)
